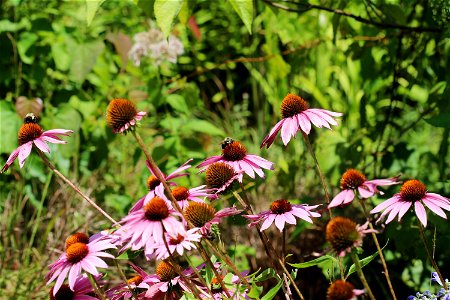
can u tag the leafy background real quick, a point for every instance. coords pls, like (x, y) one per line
(389, 76)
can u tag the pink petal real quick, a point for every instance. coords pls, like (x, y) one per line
(386, 204)
(288, 130)
(11, 159)
(41, 145)
(52, 140)
(268, 140)
(349, 196)
(434, 208)
(339, 198)
(56, 132)
(73, 274)
(364, 192)
(24, 152)
(279, 222)
(60, 279)
(404, 208)
(316, 120)
(259, 161)
(421, 213)
(304, 123)
(267, 222)
(210, 160)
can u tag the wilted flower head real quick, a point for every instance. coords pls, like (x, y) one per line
(82, 254)
(343, 234)
(353, 180)
(282, 212)
(298, 116)
(82, 290)
(342, 290)
(122, 115)
(235, 154)
(153, 44)
(31, 133)
(413, 192)
(220, 176)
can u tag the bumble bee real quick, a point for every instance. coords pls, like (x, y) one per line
(30, 118)
(227, 141)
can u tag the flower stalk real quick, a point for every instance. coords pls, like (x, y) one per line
(360, 273)
(98, 291)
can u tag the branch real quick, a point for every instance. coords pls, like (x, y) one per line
(307, 6)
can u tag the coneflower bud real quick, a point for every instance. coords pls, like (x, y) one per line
(199, 213)
(342, 233)
(165, 271)
(122, 115)
(219, 174)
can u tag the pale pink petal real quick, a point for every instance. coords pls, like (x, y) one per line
(41, 145)
(60, 279)
(268, 140)
(421, 213)
(404, 208)
(280, 221)
(339, 198)
(288, 130)
(210, 160)
(53, 132)
(73, 274)
(11, 159)
(24, 152)
(52, 140)
(316, 120)
(326, 117)
(394, 212)
(304, 123)
(349, 196)
(267, 222)
(259, 161)
(386, 204)
(434, 208)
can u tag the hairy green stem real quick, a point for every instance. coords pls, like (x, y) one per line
(360, 273)
(97, 289)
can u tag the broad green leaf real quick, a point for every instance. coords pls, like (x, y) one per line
(273, 291)
(255, 291)
(91, 9)
(203, 127)
(26, 41)
(313, 262)
(165, 13)
(9, 126)
(266, 274)
(244, 8)
(442, 120)
(184, 12)
(60, 56)
(178, 103)
(8, 26)
(84, 57)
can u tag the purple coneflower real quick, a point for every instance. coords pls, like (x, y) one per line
(144, 228)
(122, 291)
(82, 253)
(413, 192)
(353, 180)
(183, 195)
(298, 116)
(342, 290)
(122, 115)
(343, 234)
(179, 242)
(235, 155)
(31, 133)
(220, 177)
(281, 212)
(156, 187)
(203, 215)
(82, 290)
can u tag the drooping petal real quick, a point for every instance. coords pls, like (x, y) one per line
(288, 130)
(434, 208)
(41, 145)
(365, 192)
(421, 213)
(386, 204)
(339, 198)
(268, 140)
(280, 221)
(24, 152)
(11, 159)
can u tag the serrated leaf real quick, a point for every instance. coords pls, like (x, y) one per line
(244, 8)
(313, 262)
(165, 13)
(442, 120)
(272, 292)
(91, 9)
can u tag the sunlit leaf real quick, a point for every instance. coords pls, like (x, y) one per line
(314, 262)
(244, 8)
(91, 9)
(165, 13)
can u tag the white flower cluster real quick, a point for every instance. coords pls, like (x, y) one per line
(153, 44)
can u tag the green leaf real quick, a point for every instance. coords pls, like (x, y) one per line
(177, 102)
(273, 291)
(165, 13)
(266, 274)
(255, 291)
(442, 120)
(244, 8)
(9, 126)
(84, 57)
(91, 9)
(203, 127)
(313, 262)
(129, 254)
(26, 41)
(8, 26)
(364, 262)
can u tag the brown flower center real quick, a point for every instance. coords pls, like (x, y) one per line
(234, 151)
(413, 190)
(218, 174)
(341, 233)
(165, 271)
(175, 241)
(199, 213)
(156, 209)
(77, 252)
(119, 113)
(352, 179)
(136, 280)
(180, 193)
(340, 290)
(293, 105)
(29, 132)
(152, 182)
(78, 237)
(64, 293)
(280, 206)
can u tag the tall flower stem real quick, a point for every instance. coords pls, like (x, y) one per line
(122, 275)
(360, 273)
(341, 268)
(98, 291)
(430, 256)
(271, 253)
(319, 171)
(172, 199)
(75, 188)
(380, 252)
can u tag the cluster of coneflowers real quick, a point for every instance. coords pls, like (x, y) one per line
(171, 220)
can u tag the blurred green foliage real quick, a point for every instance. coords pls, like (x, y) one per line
(389, 76)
